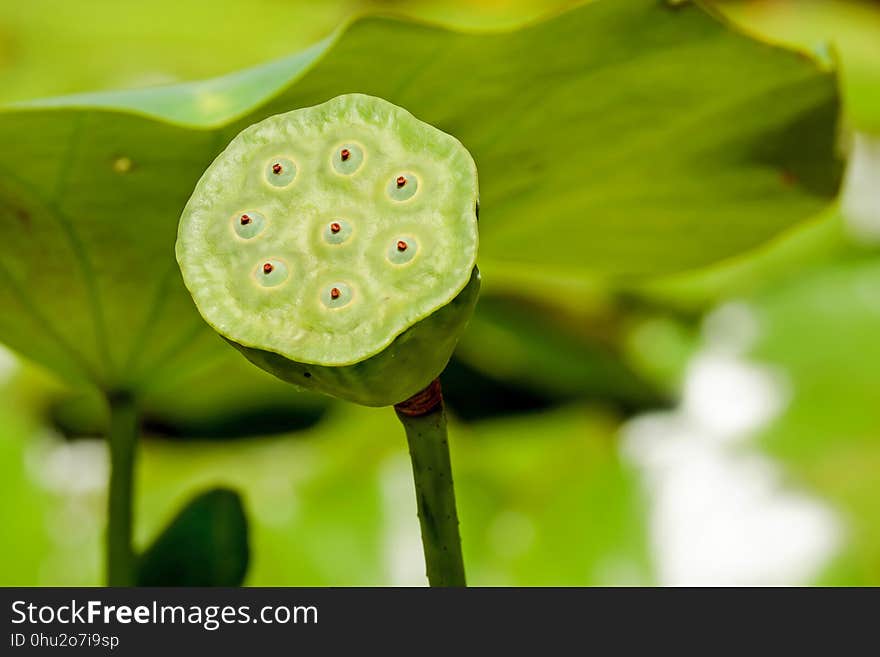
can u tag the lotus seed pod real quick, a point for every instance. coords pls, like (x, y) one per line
(335, 246)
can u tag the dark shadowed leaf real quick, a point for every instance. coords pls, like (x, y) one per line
(553, 355)
(205, 545)
(227, 399)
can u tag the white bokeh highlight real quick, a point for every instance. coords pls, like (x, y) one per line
(404, 560)
(860, 199)
(720, 512)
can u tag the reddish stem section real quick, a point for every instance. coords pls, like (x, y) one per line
(267, 268)
(422, 402)
(276, 168)
(401, 181)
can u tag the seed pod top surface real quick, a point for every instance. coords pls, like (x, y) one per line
(323, 233)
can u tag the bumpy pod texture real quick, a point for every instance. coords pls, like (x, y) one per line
(336, 247)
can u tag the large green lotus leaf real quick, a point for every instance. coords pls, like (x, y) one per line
(849, 27)
(138, 44)
(807, 246)
(620, 138)
(820, 330)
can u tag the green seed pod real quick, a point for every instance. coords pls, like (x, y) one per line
(335, 246)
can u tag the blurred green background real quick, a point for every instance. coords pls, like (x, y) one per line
(716, 425)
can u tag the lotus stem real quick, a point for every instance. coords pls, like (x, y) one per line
(122, 438)
(424, 419)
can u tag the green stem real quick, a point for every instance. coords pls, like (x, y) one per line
(122, 439)
(424, 419)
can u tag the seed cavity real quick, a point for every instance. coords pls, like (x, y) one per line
(248, 224)
(280, 172)
(337, 295)
(402, 250)
(271, 273)
(402, 187)
(347, 159)
(337, 231)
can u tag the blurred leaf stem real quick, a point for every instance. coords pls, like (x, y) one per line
(123, 445)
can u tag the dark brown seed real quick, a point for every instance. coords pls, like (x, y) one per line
(276, 168)
(335, 228)
(267, 268)
(334, 293)
(401, 181)
(345, 154)
(245, 220)
(401, 245)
